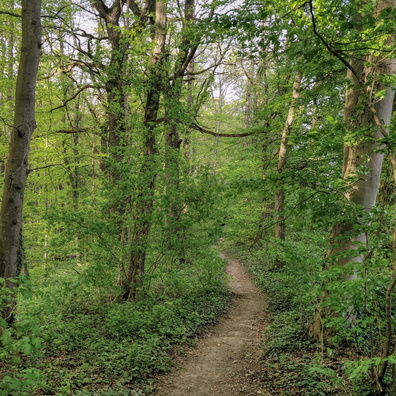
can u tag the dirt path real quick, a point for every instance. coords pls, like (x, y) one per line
(225, 361)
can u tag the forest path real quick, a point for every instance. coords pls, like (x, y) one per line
(225, 361)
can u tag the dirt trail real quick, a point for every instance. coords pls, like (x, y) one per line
(225, 361)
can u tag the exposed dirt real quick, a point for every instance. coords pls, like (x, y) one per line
(226, 360)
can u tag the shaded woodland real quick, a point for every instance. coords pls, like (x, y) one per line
(139, 138)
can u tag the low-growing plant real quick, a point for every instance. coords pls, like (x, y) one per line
(101, 347)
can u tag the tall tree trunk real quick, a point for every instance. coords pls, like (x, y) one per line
(368, 119)
(17, 161)
(144, 203)
(365, 153)
(282, 158)
(114, 131)
(173, 119)
(363, 192)
(8, 70)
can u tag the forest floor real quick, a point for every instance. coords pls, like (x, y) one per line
(226, 360)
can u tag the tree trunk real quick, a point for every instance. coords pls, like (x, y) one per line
(280, 227)
(144, 204)
(114, 131)
(6, 96)
(365, 153)
(173, 120)
(369, 119)
(17, 161)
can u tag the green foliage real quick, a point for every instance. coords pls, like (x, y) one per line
(24, 383)
(20, 346)
(292, 292)
(72, 334)
(323, 378)
(76, 343)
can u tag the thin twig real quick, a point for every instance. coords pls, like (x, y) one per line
(43, 167)
(328, 46)
(10, 13)
(72, 97)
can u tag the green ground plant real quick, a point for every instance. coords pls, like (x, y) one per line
(66, 341)
(346, 364)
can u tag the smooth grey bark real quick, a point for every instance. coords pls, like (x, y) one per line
(363, 191)
(369, 116)
(17, 162)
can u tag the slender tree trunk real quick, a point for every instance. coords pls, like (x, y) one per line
(17, 161)
(248, 103)
(6, 97)
(363, 193)
(282, 158)
(172, 174)
(187, 149)
(172, 156)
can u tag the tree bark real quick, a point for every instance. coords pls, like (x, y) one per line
(115, 128)
(144, 203)
(186, 54)
(280, 227)
(365, 153)
(368, 119)
(17, 162)
(114, 131)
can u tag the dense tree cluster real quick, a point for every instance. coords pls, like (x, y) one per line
(136, 134)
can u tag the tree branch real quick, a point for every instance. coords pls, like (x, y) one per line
(327, 45)
(72, 97)
(56, 15)
(5, 122)
(209, 132)
(71, 131)
(65, 70)
(43, 167)
(10, 13)
(336, 53)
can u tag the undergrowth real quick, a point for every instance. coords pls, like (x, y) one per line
(292, 363)
(66, 341)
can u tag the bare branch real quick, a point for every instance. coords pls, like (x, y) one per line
(44, 167)
(10, 13)
(5, 122)
(209, 132)
(71, 131)
(331, 49)
(56, 15)
(72, 97)
(61, 70)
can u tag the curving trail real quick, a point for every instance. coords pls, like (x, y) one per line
(226, 361)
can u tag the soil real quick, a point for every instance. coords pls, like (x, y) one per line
(226, 360)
